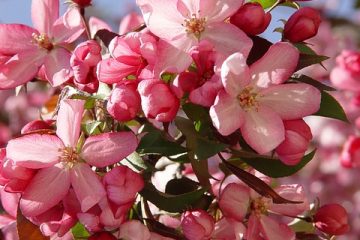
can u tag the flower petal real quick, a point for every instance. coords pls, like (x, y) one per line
(96, 24)
(235, 74)
(227, 39)
(274, 230)
(48, 187)
(108, 148)
(87, 186)
(276, 66)
(35, 150)
(57, 66)
(69, 27)
(69, 121)
(16, 38)
(263, 129)
(253, 230)
(112, 71)
(292, 101)
(21, 68)
(226, 114)
(43, 14)
(218, 11)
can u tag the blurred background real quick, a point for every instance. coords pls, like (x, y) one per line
(325, 178)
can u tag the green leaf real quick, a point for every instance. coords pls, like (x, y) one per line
(27, 230)
(136, 162)
(331, 108)
(171, 203)
(305, 79)
(92, 128)
(257, 184)
(180, 186)
(304, 48)
(306, 60)
(265, 3)
(79, 231)
(274, 167)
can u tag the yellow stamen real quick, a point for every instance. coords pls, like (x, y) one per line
(43, 41)
(195, 25)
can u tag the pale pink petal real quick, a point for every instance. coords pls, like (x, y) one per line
(134, 230)
(108, 148)
(162, 18)
(276, 66)
(345, 79)
(226, 114)
(35, 150)
(263, 129)
(227, 39)
(87, 186)
(16, 38)
(69, 27)
(206, 94)
(112, 71)
(57, 66)
(96, 24)
(44, 13)
(46, 189)
(291, 101)
(253, 230)
(69, 120)
(10, 231)
(235, 74)
(292, 192)
(218, 11)
(21, 68)
(274, 230)
(130, 22)
(9, 202)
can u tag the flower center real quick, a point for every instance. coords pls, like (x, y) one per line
(248, 99)
(43, 41)
(69, 156)
(195, 25)
(260, 205)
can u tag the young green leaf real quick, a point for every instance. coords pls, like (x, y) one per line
(306, 60)
(331, 108)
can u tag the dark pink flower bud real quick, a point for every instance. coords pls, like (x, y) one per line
(36, 125)
(332, 219)
(83, 62)
(102, 236)
(157, 100)
(346, 74)
(302, 25)
(122, 184)
(197, 225)
(82, 3)
(251, 18)
(350, 155)
(297, 138)
(124, 102)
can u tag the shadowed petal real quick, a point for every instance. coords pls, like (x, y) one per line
(108, 148)
(69, 27)
(87, 186)
(46, 189)
(35, 150)
(69, 121)
(57, 66)
(274, 230)
(15, 38)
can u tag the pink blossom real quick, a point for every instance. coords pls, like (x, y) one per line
(157, 100)
(82, 3)
(30, 48)
(61, 164)
(182, 24)
(5, 135)
(228, 229)
(36, 125)
(251, 18)
(297, 138)
(124, 101)
(203, 84)
(122, 184)
(302, 25)
(129, 56)
(130, 22)
(197, 225)
(350, 155)
(134, 230)
(332, 219)
(83, 63)
(256, 101)
(346, 74)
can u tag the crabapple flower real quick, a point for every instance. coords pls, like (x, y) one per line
(30, 48)
(129, 23)
(256, 101)
(251, 18)
(183, 24)
(302, 25)
(62, 164)
(332, 219)
(134, 230)
(350, 155)
(82, 3)
(83, 63)
(297, 138)
(346, 74)
(197, 225)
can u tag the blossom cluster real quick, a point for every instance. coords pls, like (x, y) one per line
(187, 89)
